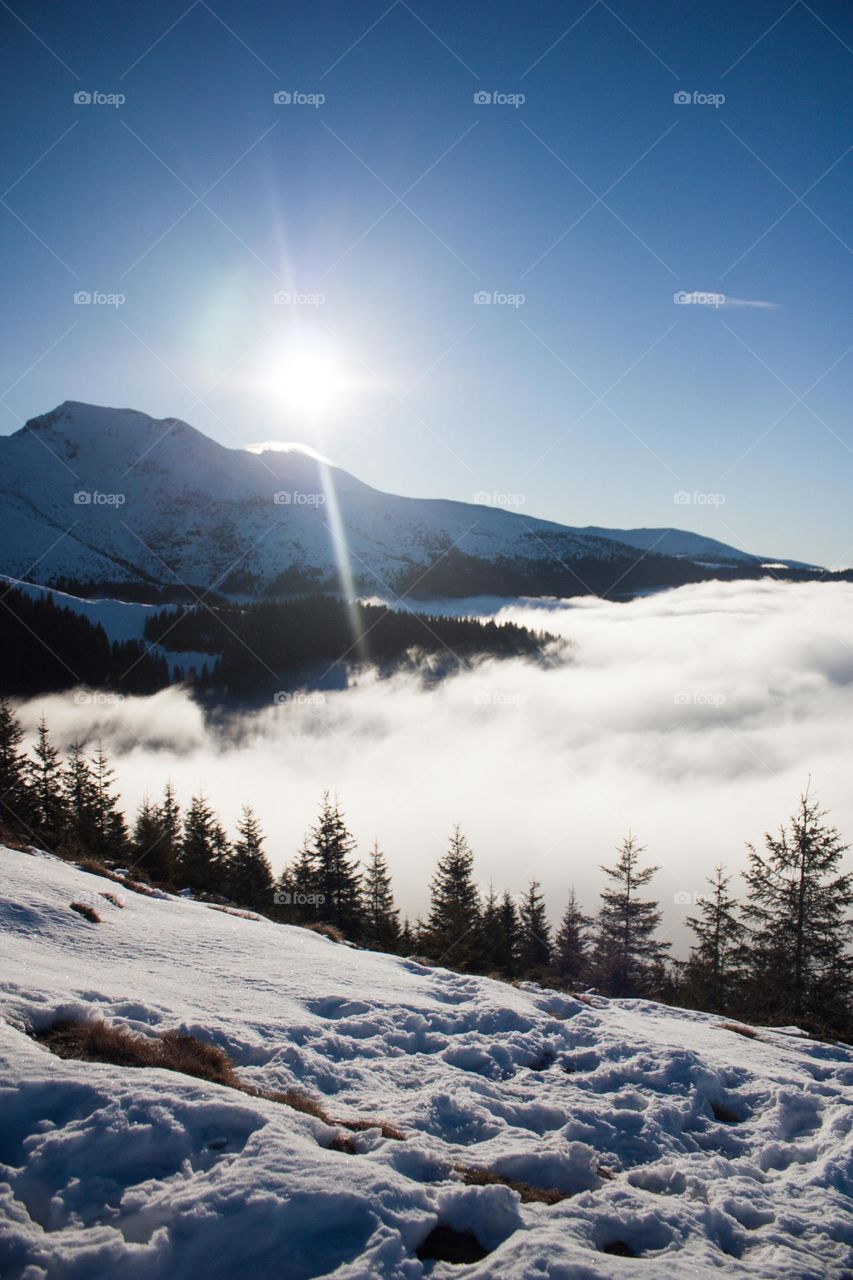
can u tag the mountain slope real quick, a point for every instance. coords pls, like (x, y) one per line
(96, 495)
(142, 1172)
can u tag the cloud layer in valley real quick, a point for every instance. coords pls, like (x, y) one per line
(693, 717)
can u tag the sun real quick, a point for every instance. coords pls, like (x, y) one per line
(310, 379)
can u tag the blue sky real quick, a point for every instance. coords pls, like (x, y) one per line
(399, 198)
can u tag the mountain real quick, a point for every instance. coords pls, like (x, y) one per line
(102, 497)
(657, 1141)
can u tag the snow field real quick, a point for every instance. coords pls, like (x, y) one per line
(126, 1173)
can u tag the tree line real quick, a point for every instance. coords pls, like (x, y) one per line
(779, 955)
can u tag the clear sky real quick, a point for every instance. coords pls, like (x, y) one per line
(385, 208)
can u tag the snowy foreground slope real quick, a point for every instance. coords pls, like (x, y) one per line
(121, 1172)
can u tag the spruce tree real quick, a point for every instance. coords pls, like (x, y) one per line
(628, 959)
(797, 954)
(169, 849)
(535, 933)
(406, 942)
(490, 950)
(328, 871)
(199, 851)
(452, 931)
(14, 801)
(44, 776)
(710, 972)
(80, 802)
(111, 839)
(249, 874)
(570, 958)
(381, 927)
(509, 937)
(148, 839)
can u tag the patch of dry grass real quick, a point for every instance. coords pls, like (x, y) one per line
(100, 1041)
(741, 1030)
(88, 913)
(478, 1177)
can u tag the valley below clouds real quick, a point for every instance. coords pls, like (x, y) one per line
(693, 717)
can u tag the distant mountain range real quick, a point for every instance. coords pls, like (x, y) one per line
(111, 499)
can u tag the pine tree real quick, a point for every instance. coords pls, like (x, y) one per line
(169, 849)
(570, 958)
(327, 870)
(199, 852)
(249, 873)
(80, 803)
(147, 839)
(381, 929)
(44, 776)
(14, 799)
(710, 972)
(490, 949)
(111, 840)
(406, 943)
(509, 937)
(452, 928)
(797, 955)
(535, 933)
(628, 960)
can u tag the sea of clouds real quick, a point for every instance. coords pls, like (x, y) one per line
(693, 717)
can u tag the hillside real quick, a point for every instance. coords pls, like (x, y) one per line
(93, 496)
(655, 1133)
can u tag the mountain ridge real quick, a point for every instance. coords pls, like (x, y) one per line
(105, 496)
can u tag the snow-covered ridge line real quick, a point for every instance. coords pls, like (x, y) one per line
(132, 1173)
(93, 494)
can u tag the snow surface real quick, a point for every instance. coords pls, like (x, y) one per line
(110, 1172)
